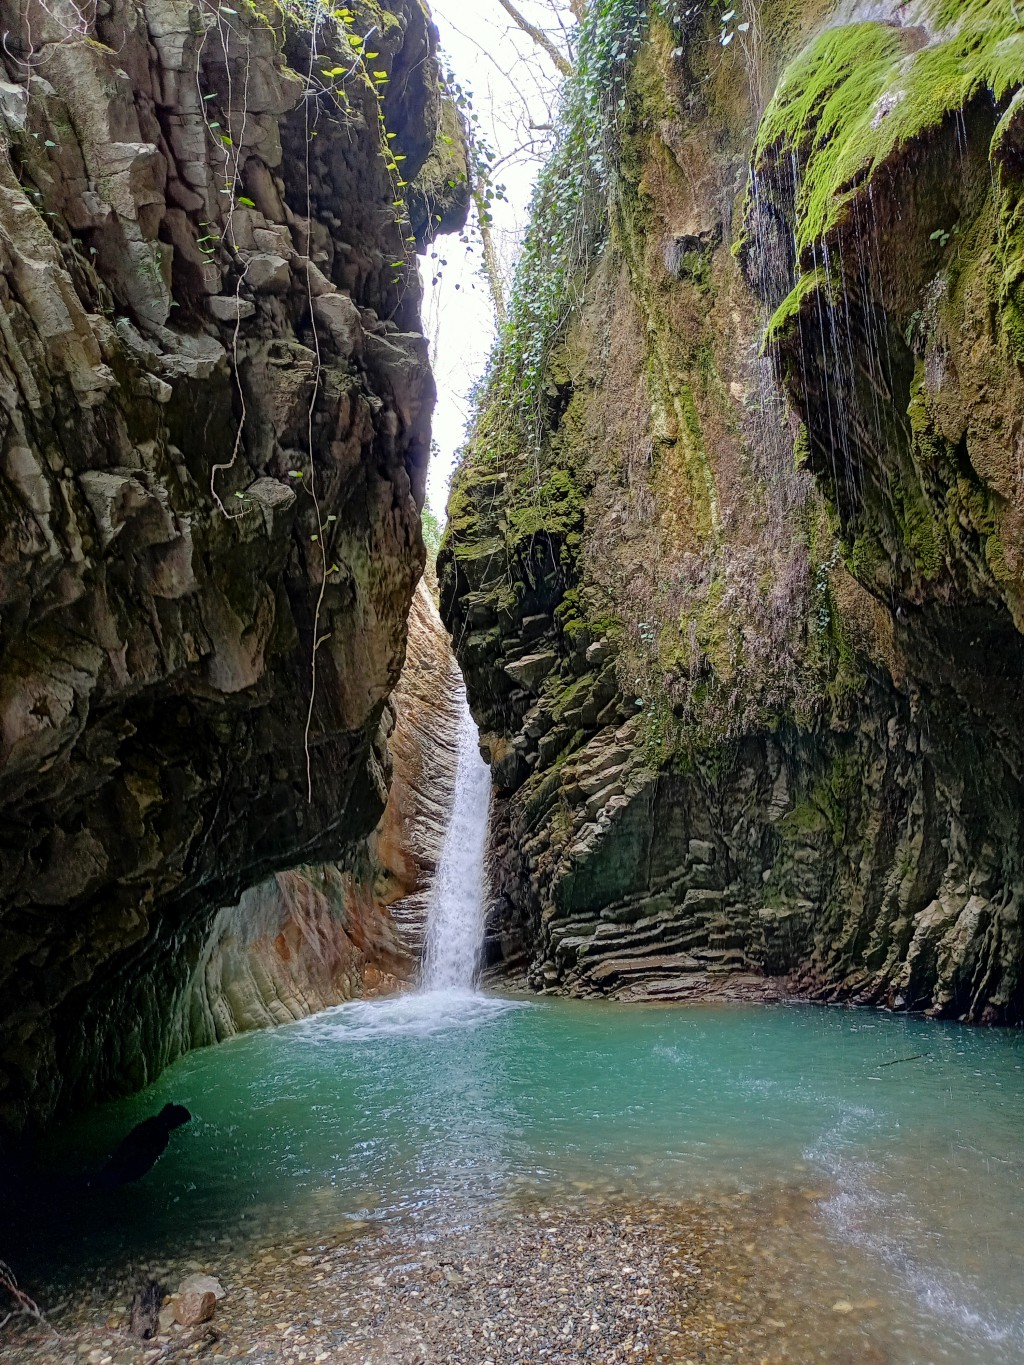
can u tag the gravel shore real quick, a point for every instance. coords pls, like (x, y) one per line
(607, 1281)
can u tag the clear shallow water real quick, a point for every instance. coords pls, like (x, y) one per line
(436, 1106)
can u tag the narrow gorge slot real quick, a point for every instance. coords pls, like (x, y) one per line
(584, 922)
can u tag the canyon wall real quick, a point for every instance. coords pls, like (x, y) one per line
(215, 408)
(315, 937)
(311, 937)
(734, 559)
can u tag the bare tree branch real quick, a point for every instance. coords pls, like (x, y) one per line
(538, 35)
(22, 1302)
(535, 89)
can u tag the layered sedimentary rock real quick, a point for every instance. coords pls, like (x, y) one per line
(214, 427)
(314, 937)
(404, 849)
(737, 588)
(317, 936)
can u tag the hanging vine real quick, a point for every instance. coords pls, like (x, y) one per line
(568, 216)
(330, 91)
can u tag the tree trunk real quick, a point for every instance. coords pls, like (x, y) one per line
(539, 36)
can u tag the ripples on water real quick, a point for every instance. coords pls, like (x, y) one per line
(440, 1105)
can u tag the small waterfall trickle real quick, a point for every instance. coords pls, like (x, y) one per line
(455, 915)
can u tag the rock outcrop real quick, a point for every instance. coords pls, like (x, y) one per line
(215, 407)
(317, 936)
(310, 937)
(735, 580)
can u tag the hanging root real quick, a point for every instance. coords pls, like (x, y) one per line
(23, 1305)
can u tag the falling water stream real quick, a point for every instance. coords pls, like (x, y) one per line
(900, 1142)
(455, 917)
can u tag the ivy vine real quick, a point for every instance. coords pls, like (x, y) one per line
(568, 217)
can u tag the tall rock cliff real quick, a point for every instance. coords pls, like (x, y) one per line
(214, 426)
(316, 936)
(734, 561)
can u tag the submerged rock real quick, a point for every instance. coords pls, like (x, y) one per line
(202, 1284)
(194, 1306)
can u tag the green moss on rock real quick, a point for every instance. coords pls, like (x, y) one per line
(861, 91)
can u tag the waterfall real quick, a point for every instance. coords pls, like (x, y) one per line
(455, 914)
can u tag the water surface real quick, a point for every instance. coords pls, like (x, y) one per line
(436, 1107)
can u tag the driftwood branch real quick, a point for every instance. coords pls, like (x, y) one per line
(23, 1304)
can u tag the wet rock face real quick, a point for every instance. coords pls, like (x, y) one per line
(311, 937)
(743, 636)
(900, 348)
(317, 936)
(404, 849)
(214, 425)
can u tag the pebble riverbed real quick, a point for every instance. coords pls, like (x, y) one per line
(722, 1279)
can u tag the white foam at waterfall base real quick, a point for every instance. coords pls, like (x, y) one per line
(410, 1016)
(455, 915)
(446, 998)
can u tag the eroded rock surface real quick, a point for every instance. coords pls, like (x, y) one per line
(214, 427)
(313, 936)
(317, 936)
(749, 670)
